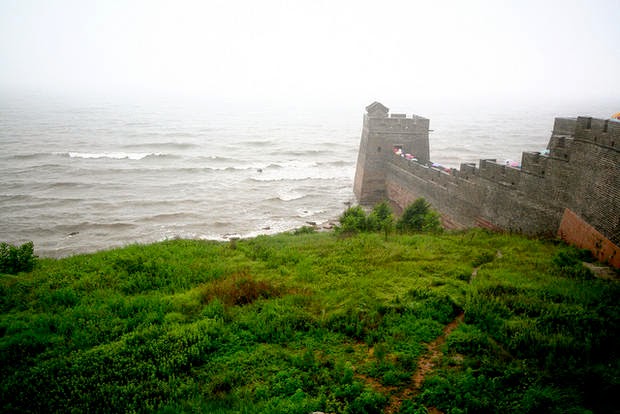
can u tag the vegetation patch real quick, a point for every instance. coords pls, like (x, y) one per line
(313, 321)
(15, 259)
(238, 289)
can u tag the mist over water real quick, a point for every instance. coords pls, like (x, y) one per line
(83, 177)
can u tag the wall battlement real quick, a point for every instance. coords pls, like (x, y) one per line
(579, 171)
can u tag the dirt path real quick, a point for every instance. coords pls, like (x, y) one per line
(426, 364)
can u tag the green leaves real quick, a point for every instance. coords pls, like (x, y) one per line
(353, 220)
(419, 217)
(14, 259)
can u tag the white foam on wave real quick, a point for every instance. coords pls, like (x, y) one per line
(290, 195)
(300, 174)
(115, 155)
(303, 212)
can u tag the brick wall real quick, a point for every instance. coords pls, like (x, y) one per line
(575, 231)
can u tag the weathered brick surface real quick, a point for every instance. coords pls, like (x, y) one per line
(581, 172)
(575, 231)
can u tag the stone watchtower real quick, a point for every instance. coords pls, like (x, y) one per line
(380, 135)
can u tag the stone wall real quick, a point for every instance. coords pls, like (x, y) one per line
(483, 197)
(580, 171)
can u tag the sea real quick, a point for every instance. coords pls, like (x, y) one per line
(78, 176)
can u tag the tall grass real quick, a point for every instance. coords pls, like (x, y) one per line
(310, 322)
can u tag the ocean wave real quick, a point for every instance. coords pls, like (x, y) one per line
(292, 164)
(216, 158)
(258, 143)
(25, 203)
(304, 173)
(65, 184)
(88, 225)
(25, 170)
(157, 170)
(162, 145)
(260, 179)
(289, 196)
(157, 134)
(32, 156)
(308, 213)
(171, 217)
(306, 152)
(116, 155)
(338, 163)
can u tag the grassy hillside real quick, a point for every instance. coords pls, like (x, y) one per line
(469, 322)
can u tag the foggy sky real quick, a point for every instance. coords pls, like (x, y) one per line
(314, 51)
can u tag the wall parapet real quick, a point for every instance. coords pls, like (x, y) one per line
(601, 132)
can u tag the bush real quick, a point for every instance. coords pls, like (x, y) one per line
(353, 220)
(368, 402)
(381, 219)
(15, 259)
(419, 217)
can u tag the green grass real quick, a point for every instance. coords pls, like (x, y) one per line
(304, 322)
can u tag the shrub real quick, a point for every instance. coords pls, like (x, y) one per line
(15, 259)
(419, 217)
(368, 402)
(381, 219)
(353, 220)
(469, 340)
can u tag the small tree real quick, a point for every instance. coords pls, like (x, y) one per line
(419, 216)
(353, 220)
(15, 259)
(381, 219)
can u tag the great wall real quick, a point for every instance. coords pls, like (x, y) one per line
(572, 190)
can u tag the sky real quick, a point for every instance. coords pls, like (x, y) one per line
(315, 52)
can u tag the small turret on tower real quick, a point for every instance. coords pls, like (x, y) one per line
(377, 110)
(380, 135)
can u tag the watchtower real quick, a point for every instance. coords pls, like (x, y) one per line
(381, 134)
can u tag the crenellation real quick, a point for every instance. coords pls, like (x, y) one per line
(603, 132)
(613, 129)
(560, 147)
(564, 126)
(489, 169)
(534, 163)
(580, 170)
(467, 169)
